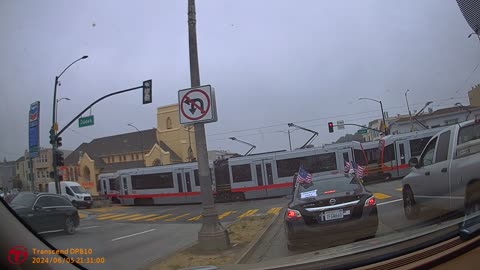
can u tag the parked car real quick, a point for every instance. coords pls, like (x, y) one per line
(330, 210)
(46, 212)
(446, 176)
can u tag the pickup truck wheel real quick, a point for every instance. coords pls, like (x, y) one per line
(69, 225)
(410, 207)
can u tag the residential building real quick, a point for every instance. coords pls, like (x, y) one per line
(474, 96)
(7, 175)
(22, 169)
(433, 119)
(43, 166)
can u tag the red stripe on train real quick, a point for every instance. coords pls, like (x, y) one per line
(245, 189)
(388, 168)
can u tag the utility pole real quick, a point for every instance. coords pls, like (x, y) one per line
(409, 112)
(212, 235)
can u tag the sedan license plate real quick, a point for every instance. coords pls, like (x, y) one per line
(331, 215)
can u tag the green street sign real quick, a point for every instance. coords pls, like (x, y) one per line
(362, 131)
(85, 121)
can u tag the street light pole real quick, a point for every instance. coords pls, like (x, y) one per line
(409, 112)
(212, 235)
(141, 139)
(384, 124)
(54, 122)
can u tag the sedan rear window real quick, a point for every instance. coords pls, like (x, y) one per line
(330, 185)
(24, 199)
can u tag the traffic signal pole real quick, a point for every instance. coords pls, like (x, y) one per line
(53, 140)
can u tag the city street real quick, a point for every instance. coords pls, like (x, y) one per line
(130, 237)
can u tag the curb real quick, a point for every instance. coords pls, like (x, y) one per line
(248, 250)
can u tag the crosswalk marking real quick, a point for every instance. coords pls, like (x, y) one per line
(222, 216)
(142, 217)
(177, 218)
(195, 218)
(99, 210)
(275, 210)
(399, 189)
(111, 216)
(128, 216)
(381, 196)
(159, 217)
(106, 215)
(82, 215)
(248, 213)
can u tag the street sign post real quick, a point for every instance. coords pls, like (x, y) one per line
(85, 121)
(340, 125)
(197, 105)
(362, 131)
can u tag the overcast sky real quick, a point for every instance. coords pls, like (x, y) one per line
(271, 62)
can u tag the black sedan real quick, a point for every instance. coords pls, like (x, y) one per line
(46, 212)
(330, 210)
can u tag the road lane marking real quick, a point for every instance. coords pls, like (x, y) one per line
(111, 217)
(383, 203)
(248, 213)
(99, 210)
(195, 218)
(275, 210)
(143, 217)
(160, 217)
(381, 196)
(106, 215)
(125, 217)
(135, 234)
(82, 215)
(399, 189)
(90, 227)
(178, 217)
(222, 216)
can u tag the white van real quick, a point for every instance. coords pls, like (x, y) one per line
(74, 192)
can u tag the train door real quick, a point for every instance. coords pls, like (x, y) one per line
(104, 186)
(346, 156)
(124, 185)
(263, 175)
(402, 155)
(185, 180)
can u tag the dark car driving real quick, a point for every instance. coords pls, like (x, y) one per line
(330, 210)
(46, 212)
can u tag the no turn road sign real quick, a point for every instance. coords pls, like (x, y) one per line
(197, 105)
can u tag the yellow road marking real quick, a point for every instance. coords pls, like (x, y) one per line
(248, 213)
(82, 215)
(143, 217)
(106, 215)
(222, 216)
(381, 196)
(159, 217)
(275, 210)
(399, 189)
(177, 218)
(99, 210)
(112, 216)
(195, 218)
(125, 217)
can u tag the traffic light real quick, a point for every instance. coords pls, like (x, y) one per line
(59, 142)
(330, 127)
(147, 92)
(52, 136)
(59, 160)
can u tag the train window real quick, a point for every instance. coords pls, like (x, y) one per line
(152, 181)
(443, 145)
(197, 178)
(402, 153)
(359, 157)
(313, 164)
(389, 153)
(417, 145)
(241, 173)
(258, 169)
(179, 182)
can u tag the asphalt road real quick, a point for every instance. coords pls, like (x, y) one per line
(391, 219)
(131, 237)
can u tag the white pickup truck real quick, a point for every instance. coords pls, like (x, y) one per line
(447, 174)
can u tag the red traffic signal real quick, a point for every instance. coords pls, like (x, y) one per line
(330, 127)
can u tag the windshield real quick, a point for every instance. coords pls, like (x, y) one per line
(329, 186)
(180, 130)
(78, 189)
(24, 199)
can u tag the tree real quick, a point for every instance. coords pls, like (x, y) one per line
(351, 137)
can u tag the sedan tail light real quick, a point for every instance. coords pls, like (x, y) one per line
(293, 215)
(370, 202)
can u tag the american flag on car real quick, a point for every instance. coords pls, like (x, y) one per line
(304, 176)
